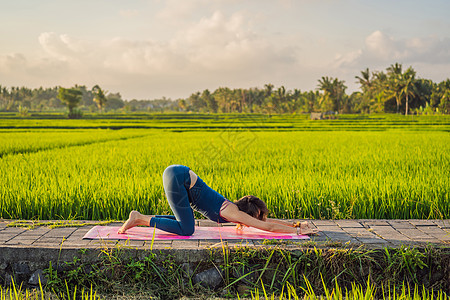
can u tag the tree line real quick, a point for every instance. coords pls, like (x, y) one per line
(393, 90)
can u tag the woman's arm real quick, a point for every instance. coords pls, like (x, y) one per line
(233, 214)
(279, 222)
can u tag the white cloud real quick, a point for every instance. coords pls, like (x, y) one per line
(217, 50)
(429, 56)
(13, 61)
(380, 48)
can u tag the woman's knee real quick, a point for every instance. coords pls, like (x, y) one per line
(175, 171)
(187, 230)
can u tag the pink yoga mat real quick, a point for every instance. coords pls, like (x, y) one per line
(201, 233)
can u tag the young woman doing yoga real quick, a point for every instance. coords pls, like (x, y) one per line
(186, 191)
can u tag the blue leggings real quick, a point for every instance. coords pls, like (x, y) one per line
(176, 180)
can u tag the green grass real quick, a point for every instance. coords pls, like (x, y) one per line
(256, 122)
(405, 292)
(354, 167)
(357, 291)
(19, 142)
(259, 273)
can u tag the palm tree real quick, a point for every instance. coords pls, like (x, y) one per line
(223, 96)
(401, 84)
(395, 69)
(334, 91)
(365, 81)
(268, 89)
(394, 73)
(407, 86)
(99, 96)
(326, 85)
(182, 104)
(211, 103)
(279, 98)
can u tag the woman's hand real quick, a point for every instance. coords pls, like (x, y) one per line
(305, 229)
(240, 226)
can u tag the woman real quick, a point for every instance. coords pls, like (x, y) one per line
(186, 191)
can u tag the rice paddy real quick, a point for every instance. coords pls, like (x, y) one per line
(353, 167)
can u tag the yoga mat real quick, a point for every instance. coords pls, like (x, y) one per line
(201, 233)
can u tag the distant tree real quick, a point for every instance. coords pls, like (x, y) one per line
(333, 93)
(445, 102)
(268, 89)
(279, 99)
(311, 101)
(209, 100)
(223, 97)
(99, 96)
(71, 97)
(196, 101)
(394, 72)
(114, 101)
(87, 98)
(443, 93)
(365, 81)
(182, 104)
(401, 85)
(407, 86)
(295, 101)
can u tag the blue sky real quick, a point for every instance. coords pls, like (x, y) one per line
(149, 49)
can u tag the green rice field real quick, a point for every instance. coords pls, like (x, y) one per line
(104, 166)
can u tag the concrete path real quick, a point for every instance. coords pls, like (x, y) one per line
(334, 233)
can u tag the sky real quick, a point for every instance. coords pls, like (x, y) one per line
(149, 49)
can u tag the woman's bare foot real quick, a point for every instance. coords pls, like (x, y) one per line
(135, 219)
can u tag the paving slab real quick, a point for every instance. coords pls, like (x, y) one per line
(131, 243)
(413, 233)
(60, 232)
(78, 243)
(416, 222)
(20, 241)
(327, 228)
(390, 234)
(240, 243)
(374, 242)
(207, 243)
(371, 223)
(349, 224)
(38, 231)
(401, 224)
(13, 230)
(49, 240)
(319, 223)
(158, 246)
(361, 233)
(4, 237)
(341, 237)
(318, 238)
(185, 244)
(102, 243)
(445, 224)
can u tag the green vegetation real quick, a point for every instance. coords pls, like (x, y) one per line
(266, 273)
(380, 166)
(14, 292)
(394, 90)
(71, 97)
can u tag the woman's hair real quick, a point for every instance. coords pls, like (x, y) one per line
(253, 206)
